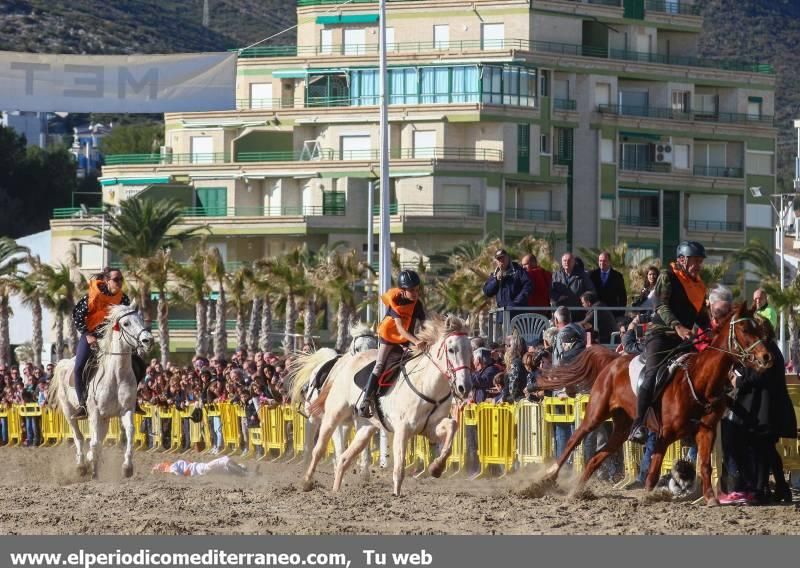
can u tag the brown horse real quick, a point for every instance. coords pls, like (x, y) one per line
(691, 405)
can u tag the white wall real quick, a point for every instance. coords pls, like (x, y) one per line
(20, 324)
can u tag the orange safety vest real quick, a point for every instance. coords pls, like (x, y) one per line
(99, 304)
(387, 329)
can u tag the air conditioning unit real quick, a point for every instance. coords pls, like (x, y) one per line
(663, 152)
(166, 154)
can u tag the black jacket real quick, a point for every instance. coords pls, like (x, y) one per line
(613, 294)
(512, 290)
(515, 381)
(762, 401)
(483, 380)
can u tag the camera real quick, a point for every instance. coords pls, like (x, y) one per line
(645, 317)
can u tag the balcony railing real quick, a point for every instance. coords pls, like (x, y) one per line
(750, 66)
(155, 159)
(673, 7)
(75, 212)
(431, 210)
(724, 226)
(638, 221)
(286, 156)
(718, 171)
(564, 104)
(283, 211)
(672, 114)
(435, 153)
(645, 167)
(533, 215)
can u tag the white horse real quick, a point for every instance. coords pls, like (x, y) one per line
(419, 402)
(306, 388)
(112, 392)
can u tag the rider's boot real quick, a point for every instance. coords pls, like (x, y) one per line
(80, 390)
(368, 402)
(639, 431)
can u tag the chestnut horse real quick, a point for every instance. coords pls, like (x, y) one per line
(692, 404)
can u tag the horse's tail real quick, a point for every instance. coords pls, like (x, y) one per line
(579, 373)
(57, 383)
(302, 368)
(318, 405)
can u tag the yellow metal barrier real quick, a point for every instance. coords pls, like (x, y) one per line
(496, 436)
(174, 416)
(559, 410)
(139, 437)
(14, 426)
(212, 411)
(298, 422)
(156, 431)
(458, 452)
(231, 428)
(533, 446)
(789, 448)
(51, 426)
(273, 428)
(422, 452)
(30, 410)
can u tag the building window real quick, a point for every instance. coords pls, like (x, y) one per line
(754, 107)
(403, 86)
(680, 156)
(761, 163)
(355, 41)
(707, 105)
(492, 36)
(260, 95)
(602, 94)
(435, 85)
(355, 147)
(681, 101)
(424, 143)
(607, 208)
(607, 151)
(202, 148)
(492, 199)
(523, 148)
(509, 85)
(364, 87)
(390, 44)
(544, 144)
(635, 156)
(638, 208)
(91, 257)
(326, 41)
(441, 36)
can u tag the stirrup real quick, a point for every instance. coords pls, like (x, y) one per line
(80, 412)
(367, 409)
(638, 433)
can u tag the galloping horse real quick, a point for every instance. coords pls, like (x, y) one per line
(306, 387)
(692, 403)
(418, 402)
(112, 392)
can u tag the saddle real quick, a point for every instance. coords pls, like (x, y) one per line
(385, 381)
(90, 370)
(664, 376)
(324, 371)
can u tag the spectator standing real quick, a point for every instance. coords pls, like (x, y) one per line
(609, 284)
(646, 297)
(569, 282)
(604, 318)
(515, 371)
(509, 283)
(483, 376)
(541, 281)
(763, 308)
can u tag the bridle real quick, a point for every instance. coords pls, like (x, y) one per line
(735, 349)
(133, 341)
(451, 370)
(353, 349)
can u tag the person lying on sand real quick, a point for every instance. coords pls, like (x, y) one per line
(191, 469)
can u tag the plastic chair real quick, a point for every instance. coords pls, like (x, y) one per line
(530, 326)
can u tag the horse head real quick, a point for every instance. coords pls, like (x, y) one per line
(450, 349)
(128, 322)
(364, 338)
(745, 339)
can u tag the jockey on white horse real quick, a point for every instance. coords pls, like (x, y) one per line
(396, 331)
(105, 291)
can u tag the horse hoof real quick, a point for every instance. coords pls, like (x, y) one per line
(127, 471)
(712, 502)
(308, 485)
(82, 469)
(436, 471)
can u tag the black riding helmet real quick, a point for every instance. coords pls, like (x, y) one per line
(691, 248)
(408, 279)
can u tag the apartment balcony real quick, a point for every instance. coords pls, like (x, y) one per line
(564, 105)
(663, 113)
(495, 47)
(680, 7)
(541, 215)
(638, 221)
(427, 217)
(714, 226)
(700, 177)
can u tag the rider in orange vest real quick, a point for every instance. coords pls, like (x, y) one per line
(396, 331)
(105, 291)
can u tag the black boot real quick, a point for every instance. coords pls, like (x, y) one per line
(365, 410)
(638, 432)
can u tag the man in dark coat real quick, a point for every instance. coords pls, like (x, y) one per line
(568, 284)
(609, 284)
(509, 283)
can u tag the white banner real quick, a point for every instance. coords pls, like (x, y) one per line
(192, 82)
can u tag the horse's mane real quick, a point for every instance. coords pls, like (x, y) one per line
(579, 373)
(107, 327)
(436, 326)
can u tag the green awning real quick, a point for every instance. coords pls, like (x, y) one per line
(289, 73)
(634, 136)
(755, 100)
(348, 19)
(135, 181)
(626, 192)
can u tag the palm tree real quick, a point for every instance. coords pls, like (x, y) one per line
(786, 301)
(59, 298)
(265, 288)
(192, 281)
(31, 289)
(758, 259)
(11, 256)
(289, 275)
(238, 284)
(337, 277)
(157, 270)
(254, 328)
(215, 266)
(140, 229)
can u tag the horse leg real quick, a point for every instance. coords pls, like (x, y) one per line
(444, 431)
(330, 420)
(656, 458)
(622, 426)
(127, 462)
(312, 427)
(360, 442)
(77, 436)
(595, 415)
(705, 441)
(399, 442)
(99, 427)
(365, 458)
(339, 438)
